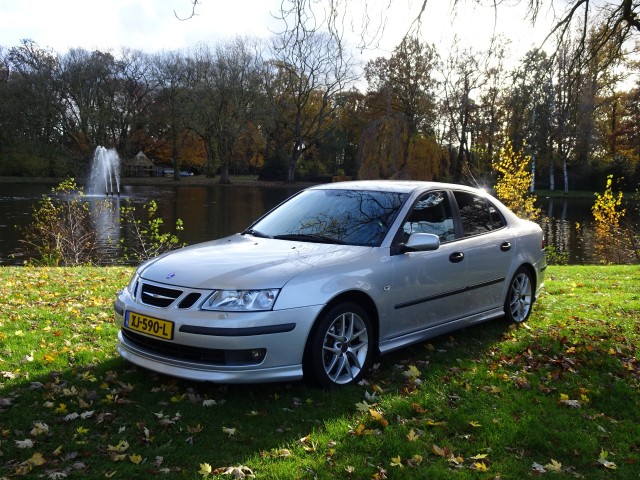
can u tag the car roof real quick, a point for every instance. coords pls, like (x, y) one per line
(400, 186)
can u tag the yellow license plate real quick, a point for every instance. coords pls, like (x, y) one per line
(149, 325)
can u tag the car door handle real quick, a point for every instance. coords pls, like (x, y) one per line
(505, 247)
(456, 257)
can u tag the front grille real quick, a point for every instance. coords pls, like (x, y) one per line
(175, 350)
(158, 296)
(189, 300)
(208, 356)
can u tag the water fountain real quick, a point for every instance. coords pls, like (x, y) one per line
(105, 173)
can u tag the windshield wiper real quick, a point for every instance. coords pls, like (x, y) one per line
(309, 237)
(255, 233)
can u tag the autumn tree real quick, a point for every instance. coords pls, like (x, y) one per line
(314, 67)
(223, 95)
(530, 104)
(608, 212)
(168, 111)
(399, 140)
(514, 179)
(464, 77)
(31, 114)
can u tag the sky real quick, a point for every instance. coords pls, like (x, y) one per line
(151, 25)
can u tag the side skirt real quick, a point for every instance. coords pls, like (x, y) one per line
(391, 344)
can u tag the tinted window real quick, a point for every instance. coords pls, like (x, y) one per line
(431, 214)
(478, 215)
(347, 216)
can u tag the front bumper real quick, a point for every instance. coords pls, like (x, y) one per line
(217, 346)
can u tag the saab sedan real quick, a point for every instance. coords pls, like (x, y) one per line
(328, 280)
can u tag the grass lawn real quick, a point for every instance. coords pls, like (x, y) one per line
(558, 397)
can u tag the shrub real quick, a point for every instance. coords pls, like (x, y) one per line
(62, 231)
(146, 239)
(609, 236)
(512, 186)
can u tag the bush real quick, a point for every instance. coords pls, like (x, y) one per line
(62, 231)
(147, 240)
(610, 238)
(512, 187)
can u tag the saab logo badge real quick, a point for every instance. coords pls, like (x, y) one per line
(171, 275)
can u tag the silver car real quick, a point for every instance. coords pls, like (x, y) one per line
(330, 278)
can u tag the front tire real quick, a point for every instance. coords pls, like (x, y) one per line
(517, 305)
(340, 348)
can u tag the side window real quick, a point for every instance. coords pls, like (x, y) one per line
(431, 214)
(477, 214)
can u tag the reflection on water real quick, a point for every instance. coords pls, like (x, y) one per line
(105, 214)
(208, 212)
(569, 226)
(211, 212)
(564, 225)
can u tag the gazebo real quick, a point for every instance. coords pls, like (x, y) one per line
(139, 166)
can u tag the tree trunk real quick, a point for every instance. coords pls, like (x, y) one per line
(532, 188)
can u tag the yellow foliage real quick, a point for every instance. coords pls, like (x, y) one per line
(423, 158)
(607, 213)
(513, 182)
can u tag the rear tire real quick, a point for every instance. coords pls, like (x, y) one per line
(517, 305)
(340, 348)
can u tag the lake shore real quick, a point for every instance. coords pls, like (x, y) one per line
(239, 180)
(236, 180)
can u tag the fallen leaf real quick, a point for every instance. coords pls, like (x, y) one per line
(537, 468)
(479, 466)
(39, 428)
(229, 431)
(205, 469)
(602, 460)
(412, 436)
(378, 416)
(26, 443)
(554, 466)
(412, 372)
(239, 472)
(36, 460)
(396, 462)
(122, 446)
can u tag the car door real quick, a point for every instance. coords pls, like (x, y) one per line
(489, 249)
(427, 287)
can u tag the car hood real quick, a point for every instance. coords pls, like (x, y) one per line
(245, 262)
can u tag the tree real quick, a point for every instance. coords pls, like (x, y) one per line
(530, 107)
(608, 213)
(168, 112)
(224, 92)
(513, 182)
(398, 141)
(313, 68)
(621, 19)
(464, 77)
(408, 77)
(33, 108)
(90, 88)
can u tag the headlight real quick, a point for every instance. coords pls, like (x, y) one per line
(241, 300)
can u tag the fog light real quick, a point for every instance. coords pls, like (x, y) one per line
(257, 354)
(245, 357)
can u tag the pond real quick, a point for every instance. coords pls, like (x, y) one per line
(210, 212)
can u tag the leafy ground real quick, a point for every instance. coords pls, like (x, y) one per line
(558, 397)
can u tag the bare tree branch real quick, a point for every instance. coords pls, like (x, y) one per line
(194, 6)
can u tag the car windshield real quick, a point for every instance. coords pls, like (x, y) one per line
(351, 217)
